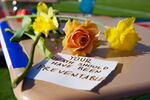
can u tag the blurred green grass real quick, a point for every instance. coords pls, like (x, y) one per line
(136, 8)
(6, 92)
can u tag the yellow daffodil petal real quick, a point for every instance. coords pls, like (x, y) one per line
(42, 7)
(52, 25)
(51, 12)
(125, 24)
(55, 22)
(44, 15)
(41, 25)
(126, 37)
(123, 37)
(45, 22)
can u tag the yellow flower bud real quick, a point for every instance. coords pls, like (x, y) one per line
(42, 7)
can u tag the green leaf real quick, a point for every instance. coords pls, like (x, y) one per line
(25, 24)
(41, 45)
(26, 21)
(41, 42)
(10, 30)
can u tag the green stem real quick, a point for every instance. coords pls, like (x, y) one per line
(9, 30)
(62, 17)
(29, 65)
(14, 17)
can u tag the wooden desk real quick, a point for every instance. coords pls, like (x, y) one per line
(130, 78)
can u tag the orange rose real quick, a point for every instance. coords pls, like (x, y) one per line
(81, 39)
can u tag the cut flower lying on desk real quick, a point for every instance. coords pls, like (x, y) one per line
(80, 38)
(123, 37)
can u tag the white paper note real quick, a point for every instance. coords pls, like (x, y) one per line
(74, 72)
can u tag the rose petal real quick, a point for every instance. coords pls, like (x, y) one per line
(70, 26)
(91, 27)
(78, 35)
(67, 28)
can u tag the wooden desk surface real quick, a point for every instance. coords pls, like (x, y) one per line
(130, 78)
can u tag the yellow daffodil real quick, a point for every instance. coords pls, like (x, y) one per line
(42, 8)
(43, 25)
(46, 20)
(123, 37)
(53, 19)
(51, 12)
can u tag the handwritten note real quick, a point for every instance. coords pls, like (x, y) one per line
(71, 71)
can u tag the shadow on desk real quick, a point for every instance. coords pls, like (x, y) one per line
(140, 49)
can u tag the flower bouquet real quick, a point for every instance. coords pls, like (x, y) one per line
(80, 36)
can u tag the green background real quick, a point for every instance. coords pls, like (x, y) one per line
(137, 8)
